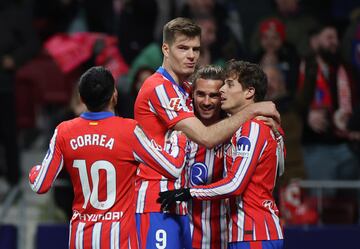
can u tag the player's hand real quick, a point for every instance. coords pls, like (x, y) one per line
(274, 126)
(34, 172)
(168, 198)
(266, 108)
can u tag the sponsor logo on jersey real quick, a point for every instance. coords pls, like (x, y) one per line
(176, 104)
(243, 146)
(198, 174)
(269, 204)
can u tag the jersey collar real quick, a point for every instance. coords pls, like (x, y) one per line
(96, 115)
(166, 74)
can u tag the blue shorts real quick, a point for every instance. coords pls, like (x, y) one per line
(160, 231)
(261, 244)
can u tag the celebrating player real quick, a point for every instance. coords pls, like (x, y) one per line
(163, 104)
(254, 160)
(99, 150)
(204, 166)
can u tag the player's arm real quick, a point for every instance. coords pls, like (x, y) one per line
(41, 177)
(215, 134)
(242, 166)
(169, 161)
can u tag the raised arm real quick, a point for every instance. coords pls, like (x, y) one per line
(168, 161)
(215, 134)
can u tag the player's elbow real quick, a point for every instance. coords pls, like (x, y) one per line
(41, 190)
(208, 142)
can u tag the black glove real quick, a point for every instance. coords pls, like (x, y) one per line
(168, 198)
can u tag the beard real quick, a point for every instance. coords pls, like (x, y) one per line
(331, 58)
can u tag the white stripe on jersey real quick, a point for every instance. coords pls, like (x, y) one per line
(45, 164)
(240, 173)
(165, 102)
(241, 219)
(115, 235)
(163, 184)
(141, 197)
(79, 238)
(206, 205)
(96, 236)
(205, 224)
(277, 224)
(160, 159)
(151, 107)
(223, 224)
(190, 206)
(230, 229)
(70, 229)
(267, 230)
(138, 158)
(254, 231)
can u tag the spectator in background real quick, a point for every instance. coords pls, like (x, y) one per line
(135, 24)
(126, 101)
(229, 42)
(291, 123)
(324, 100)
(276, 51)
(297, 25)
(60, 16)
(18, 44)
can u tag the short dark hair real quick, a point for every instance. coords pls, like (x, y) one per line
(96, 87)
(180, 25)
(208, 72)
(249, 75)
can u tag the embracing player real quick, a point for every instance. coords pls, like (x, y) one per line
(255, 158)
(162, 105)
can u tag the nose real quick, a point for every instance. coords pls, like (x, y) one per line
(222, 89)
(191, 54)
(207, 100)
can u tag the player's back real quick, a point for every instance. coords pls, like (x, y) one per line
(97, 157)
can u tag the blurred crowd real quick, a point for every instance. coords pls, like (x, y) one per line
(310, 51)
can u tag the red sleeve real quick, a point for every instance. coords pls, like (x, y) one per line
(247, 145)
(170, 104)
(42, 179)
(168, 161)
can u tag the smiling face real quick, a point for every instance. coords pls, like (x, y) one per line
(206, 98)
(181, 56)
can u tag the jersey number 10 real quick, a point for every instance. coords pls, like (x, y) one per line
(92, 194)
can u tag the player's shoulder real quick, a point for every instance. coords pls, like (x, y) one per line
(120, 122)
(154, 80)
(68, 124)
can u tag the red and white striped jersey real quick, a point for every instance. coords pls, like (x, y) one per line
(208, 218)
(252, 167)
(160, 104)
(99, 151)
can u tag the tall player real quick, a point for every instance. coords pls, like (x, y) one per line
(99, 151)
(254, 160)
(163, 104)
(204, 166)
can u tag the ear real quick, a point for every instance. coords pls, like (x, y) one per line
(114, 97)
(165, 49)
(250, 93)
